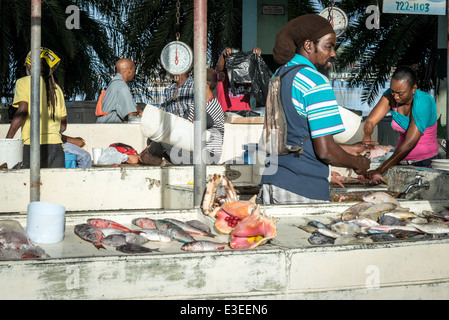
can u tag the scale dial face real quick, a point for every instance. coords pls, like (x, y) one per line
(337, 18)
(177, 58)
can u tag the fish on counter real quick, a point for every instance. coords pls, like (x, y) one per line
(90, 233)
(144, 223)
(379, 218)
(134, 248)
(115, 240)
(173, 231)
(109, 224)
(189, 229)
(16, 245)
(156, 235)
(199, 225)
(203, 245)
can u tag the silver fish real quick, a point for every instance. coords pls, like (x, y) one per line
(188, 228)
(329, 233)
(365, 222)
(346, 228)
(90, 233)
(135, 238)
(174, 231)
(432, 228)
(134, 248)
(407, 228)
(203, 246)
(156, 235)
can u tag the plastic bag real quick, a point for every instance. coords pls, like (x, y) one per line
(248, 73)
(110, 155)
(261, 75)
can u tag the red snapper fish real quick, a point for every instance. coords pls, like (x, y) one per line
(105, 223)
(90, 233)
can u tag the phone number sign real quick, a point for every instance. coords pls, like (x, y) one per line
(435, 7)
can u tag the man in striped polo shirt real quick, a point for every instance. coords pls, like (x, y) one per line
(312, 117)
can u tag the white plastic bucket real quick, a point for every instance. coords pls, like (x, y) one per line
(11, 152)
(161, 126)
(351, 121)
(45, 222)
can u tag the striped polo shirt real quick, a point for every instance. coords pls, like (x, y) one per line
(314, 99)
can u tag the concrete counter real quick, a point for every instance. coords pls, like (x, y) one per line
(287, 268)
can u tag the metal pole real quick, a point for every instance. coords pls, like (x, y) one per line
(35, 175)
(447, 82)
(200, 73)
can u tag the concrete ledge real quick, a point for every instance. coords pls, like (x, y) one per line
(106, 188)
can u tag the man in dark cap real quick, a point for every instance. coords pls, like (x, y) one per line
(312, 117)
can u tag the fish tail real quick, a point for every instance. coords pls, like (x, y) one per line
(99, 246)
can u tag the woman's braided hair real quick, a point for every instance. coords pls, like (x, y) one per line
(50, 85)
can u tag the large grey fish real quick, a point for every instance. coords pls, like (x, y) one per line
(114, 240)
(353, 212)
(90, 233)
(203, 246)
(174, 231)
(188, 228)
(134, 248)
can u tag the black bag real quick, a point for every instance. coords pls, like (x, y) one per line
(248, 73)
(274, 134)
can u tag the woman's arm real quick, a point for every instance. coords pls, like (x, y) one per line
(19, 119)
(377, 114)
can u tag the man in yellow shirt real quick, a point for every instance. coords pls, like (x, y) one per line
(53, 113)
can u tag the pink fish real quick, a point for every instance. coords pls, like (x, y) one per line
(105, 223)
(144, 223)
